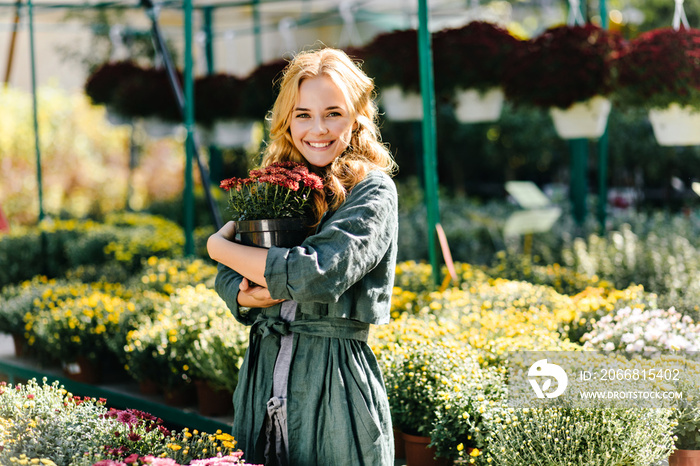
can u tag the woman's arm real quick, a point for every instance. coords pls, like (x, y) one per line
(249, 261)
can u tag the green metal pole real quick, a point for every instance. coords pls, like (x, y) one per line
(578, 148)
(39, 182)
(189, 125)
(257, 31)
(429, 136)
(579, 187)
(216, 163)
(603, 147)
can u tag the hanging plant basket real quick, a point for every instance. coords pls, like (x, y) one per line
(157, 128)
(115, 118)
(400, 105)
(475, 107)
(231, 133)
(583, 119)
(676, 125)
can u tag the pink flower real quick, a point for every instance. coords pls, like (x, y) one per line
(234, 458)
(153, 461)
(131, 459)
(109, 463)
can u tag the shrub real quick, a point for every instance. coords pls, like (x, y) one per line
(562, 66)
(557, 435)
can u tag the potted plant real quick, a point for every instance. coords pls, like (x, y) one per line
(150, 97)
(218, 109)
(391, 59)
(469, 68)
(459, 431)
(569, 70)
(102, 84)
(260, 90)
(158, 348)
(217, 354)
(271, 206)
(72, 322)
(660, 72)
(416, 374)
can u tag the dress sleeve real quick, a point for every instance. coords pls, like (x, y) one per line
(226, 285)
(349, 245)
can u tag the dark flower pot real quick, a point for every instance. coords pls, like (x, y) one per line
(419, 454)
(83, 370)
(212, 401)
(280, 232)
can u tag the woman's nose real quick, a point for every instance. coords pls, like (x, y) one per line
(319, 126)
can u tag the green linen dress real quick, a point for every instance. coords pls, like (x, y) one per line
(342, 279)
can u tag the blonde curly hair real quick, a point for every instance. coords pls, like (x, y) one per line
(365, 152)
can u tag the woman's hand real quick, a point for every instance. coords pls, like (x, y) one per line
(252, 295)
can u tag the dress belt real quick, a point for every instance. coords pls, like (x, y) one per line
(329, 327)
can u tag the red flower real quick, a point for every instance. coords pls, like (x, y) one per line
(279, 190)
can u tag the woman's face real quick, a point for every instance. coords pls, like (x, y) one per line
(321, 124)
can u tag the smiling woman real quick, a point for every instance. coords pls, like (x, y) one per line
(321, 124)
(310, 390)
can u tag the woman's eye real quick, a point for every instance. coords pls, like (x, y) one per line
(334, 114)
(302, 115)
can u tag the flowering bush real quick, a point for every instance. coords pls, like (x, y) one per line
(46, 421)
(414, 375)
(103, 82)
(473, 56)
(71, 319)
(218, 97)
(280, 190)
(391, 59)
(459, 430)
(167, 275)
(639, 331)
(45, 424)
(562, 66)
(136, 432)
(17, 300)
(606, 436)
(157, 349)
(660, 67)
(217, 353)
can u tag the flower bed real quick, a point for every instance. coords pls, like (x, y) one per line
(167, 315)
(45, 424)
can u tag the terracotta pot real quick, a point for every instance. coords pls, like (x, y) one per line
(83, 370)
(212, 401)
(149, 387)
(281, 232)
(684, 458)
(179, 396)
(399, 445)
(418, 453)
(20, 344)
